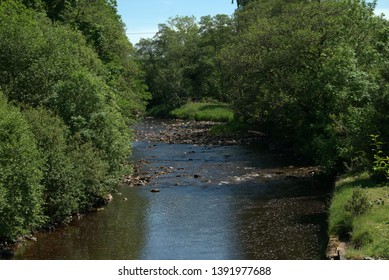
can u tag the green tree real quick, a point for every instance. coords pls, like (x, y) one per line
(215, 34)
(169, 60)
(302, 75)
(75, 75)
(182, 61)
(20, 189)
(61, 191)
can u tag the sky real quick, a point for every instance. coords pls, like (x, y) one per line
(143, 16)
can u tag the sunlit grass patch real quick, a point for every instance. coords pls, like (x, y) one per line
(204, 111)
(368, 232)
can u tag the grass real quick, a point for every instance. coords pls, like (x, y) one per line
(199, 111)
(229, 128)
(368, 232)
(204, 111)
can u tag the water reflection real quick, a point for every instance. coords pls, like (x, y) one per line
(115, 233)
(211, 206)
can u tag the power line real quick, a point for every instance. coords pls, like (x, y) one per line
(140, 33)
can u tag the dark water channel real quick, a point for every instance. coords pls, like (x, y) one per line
(212, 204)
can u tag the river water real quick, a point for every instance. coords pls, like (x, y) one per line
(215, 202)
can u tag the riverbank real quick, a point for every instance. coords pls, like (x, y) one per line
(358, 215)
(198, 111)
(275, 198)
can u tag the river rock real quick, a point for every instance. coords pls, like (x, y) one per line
(155, 190)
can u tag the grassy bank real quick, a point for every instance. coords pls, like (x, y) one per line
(199, 111)
(359, 212)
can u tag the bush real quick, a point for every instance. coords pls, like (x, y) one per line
(358, 204)
(91, 172)
(75, 177)
(60, 184)
(20, 189)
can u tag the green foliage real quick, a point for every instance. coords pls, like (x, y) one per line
(91, 174)
(75, 175)
(230, 128)
(71, 66)
(20, 189)
(346, 203)
(367, 229)
(61, 191)
(160, 111)
(358, 204)
(204, 111)
(199, 111)
(309, 81)
(381, 161)
(340, 221)
(181, 62)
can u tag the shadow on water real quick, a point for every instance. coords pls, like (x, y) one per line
(212, 204)
(115, 233)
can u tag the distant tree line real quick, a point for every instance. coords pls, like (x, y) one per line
(69, 88)
(313, 75)
(183, 62)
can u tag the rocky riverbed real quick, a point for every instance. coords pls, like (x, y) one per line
(191, 132)
(199, 133)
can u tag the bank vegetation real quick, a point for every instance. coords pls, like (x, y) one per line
(69, 88)
(311, 75)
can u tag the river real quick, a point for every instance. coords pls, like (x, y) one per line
(215, 202)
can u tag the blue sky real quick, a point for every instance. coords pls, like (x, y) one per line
(383, 7)
(143, 16)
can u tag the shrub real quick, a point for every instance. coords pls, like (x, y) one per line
(60, 184)
(91, 172)
(20, 176)
(75, 176)
(358, 204)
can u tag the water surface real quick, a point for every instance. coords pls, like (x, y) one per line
(212, 204)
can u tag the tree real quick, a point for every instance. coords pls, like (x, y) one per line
(20, 189)
(215, 33)
(182, 61)
(75, 77)
(169, 60)
(302, 75)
